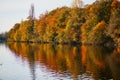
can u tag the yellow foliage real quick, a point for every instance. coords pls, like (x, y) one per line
(83, 30)
(100, 26)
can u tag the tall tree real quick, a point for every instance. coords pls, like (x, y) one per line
(31, 13)
(31, 17)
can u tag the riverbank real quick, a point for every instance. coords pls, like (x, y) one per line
(110, 44)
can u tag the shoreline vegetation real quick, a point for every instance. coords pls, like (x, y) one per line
(94, 24)
(3, 37)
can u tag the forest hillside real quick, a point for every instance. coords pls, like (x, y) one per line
(95, 24)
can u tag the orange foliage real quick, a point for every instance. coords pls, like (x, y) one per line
(61, 58)
(115, 4)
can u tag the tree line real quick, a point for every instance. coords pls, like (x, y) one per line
(95, 24)
(3, 37)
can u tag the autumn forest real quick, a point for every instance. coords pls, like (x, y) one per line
(94, 24)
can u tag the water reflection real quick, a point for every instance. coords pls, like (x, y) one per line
(71, 62)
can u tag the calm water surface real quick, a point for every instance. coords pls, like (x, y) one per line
(20, 61)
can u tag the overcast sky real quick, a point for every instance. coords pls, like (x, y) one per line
(13, 11)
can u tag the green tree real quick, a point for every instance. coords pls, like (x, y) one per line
(76, 19)
(97, 35)
(63, 18)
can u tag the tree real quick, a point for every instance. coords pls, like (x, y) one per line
(63, 18)
(113, 29)
(73, 25)
(31, 13)
(3, 37)
(97, 35)
(92, 18)
(31, 17)
(77, 3)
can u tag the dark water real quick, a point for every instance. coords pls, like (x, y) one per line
(58, 62)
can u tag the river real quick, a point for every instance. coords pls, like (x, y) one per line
(21, 61)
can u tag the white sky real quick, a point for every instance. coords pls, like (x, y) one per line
(13, 11)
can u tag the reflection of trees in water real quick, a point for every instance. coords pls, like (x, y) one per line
(114, 63)
(31, 60)
(74, 61)
(25, 52)
(95, 62)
